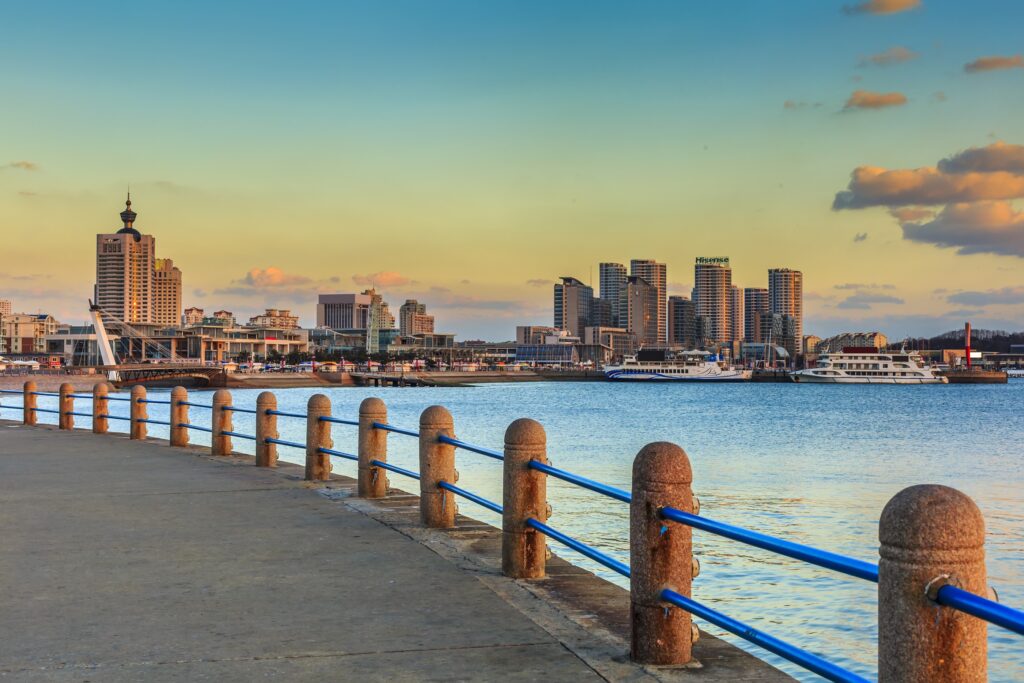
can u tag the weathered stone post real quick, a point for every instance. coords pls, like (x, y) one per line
(100, 408)
(437, 464)
(65, 405)
(138, 411)
(524, 495)
(318, 435)
(179, 417)
(266, 428)
(373, 445)
(220, 422)
(660, 555)
(28, 400)
(930, 536)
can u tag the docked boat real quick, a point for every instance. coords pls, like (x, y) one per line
(870, 366)
(688, 366)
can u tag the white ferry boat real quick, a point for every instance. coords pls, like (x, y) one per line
(870, 366)
(689, 366)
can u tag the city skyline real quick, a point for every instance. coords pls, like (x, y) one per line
(469, 164)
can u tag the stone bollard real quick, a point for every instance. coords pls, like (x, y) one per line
(65, 406)
(28, 413)
(930, 536)
(179, 417)
(138, 411)
(266, 428)
(318, 435)
(100, 408)
(220, 422)
(373, 445)
(524, 495)
(660, 555)
(437, 464)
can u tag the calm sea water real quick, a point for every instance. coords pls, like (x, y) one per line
(810, 463)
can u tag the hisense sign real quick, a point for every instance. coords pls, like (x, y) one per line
(713, 260)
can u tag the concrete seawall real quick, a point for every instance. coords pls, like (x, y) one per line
(128, 560)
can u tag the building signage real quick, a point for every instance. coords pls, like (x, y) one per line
(713, 260)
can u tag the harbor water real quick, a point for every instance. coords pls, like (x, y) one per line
(813, 464)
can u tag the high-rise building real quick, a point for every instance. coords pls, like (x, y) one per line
(192, 316)
(413, 319)
(656, 275)
(755, 300)
(786, 297)
(682, 322)
(572, 305)
(343, 311)
(166, 293)
(277, 318)
(5, 307)
(736, 321)
(712, 279)
(639, 304)
(612, 281)
(124, 271)
(380, 310)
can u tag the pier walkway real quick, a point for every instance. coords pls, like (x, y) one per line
(128, 560)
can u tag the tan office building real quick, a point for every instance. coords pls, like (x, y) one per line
(166, 293)
(712, 290)
(786, 297)
(656, 275)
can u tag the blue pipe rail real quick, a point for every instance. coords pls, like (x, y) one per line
(233, 409)
(189, 425)
(603, 489)
(271, 411)
(396, 430)
(338, 420)
(80, 395)
(282, 442)
(158, 401)
(798, 656)
(45, 410)
(43, 393)
(153, 422)
(497, 455)
(340, 454)
(12, 391)
(119, 398)
(239, 435)
(79, 414)
(805, 553)
(581, 548)
(115, 417)
(483, 502)
(194, 405)
(983, 608)
(394, 468)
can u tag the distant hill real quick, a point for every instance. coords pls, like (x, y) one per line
(981, 340)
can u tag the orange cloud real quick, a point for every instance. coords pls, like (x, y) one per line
(998, 156)
(994, 63)
(272, 277)
(978, 228)
(873, 186)
(864, 99)
(382, 279)
(894, 55)
(882, 6)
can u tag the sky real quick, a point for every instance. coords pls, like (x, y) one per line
(469, 153)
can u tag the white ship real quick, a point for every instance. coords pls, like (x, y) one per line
(870, 366)
(689, 366)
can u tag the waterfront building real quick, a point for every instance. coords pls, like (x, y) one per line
(682, 322)
(786, 297)
(712, 277)
(166, 293)
(413, 319)
(223, 318)
(124, 271)
(656, 275)
(612, 280)
(811, 343)
(343, 311)
(600, 312)
(617, 339)
(25, 333)
(778, 329)
(837, 343)
(192, 316)
(639, 304)
(279, 318)
(533, 334)
(5, 307)
(76, 345)
(573, 302)
(755, 300)
(736, 319)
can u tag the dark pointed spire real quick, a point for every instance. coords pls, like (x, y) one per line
(128, 218)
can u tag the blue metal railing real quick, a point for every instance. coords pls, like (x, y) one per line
(338, 420)
(603, 489)
(43, 393)
(158, 401)
(75, 412)
(395, 468)
(233, 409)
(396, 430)
(340, 454)
(119, 398)
(497, 455)
(239, 435)
(194, 405)
(983, 608)
(490, 505)
(80, 395)
(809, 661)
(282, 442)
(12, 391)
(153, 422)
(115, 417)
(822, 558)
(45, 410)
(189, 425)
(581, 548)
(271, 411)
